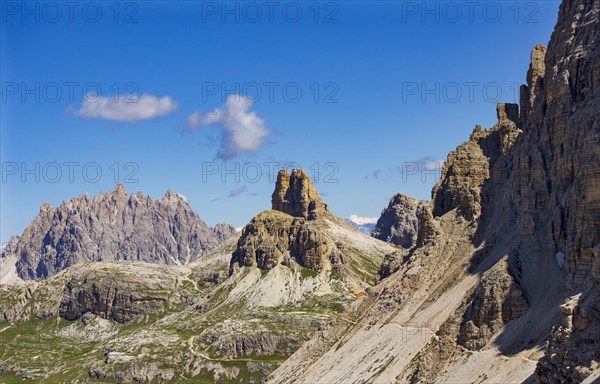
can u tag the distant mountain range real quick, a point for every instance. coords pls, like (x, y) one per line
(113, 226)
(361, 226)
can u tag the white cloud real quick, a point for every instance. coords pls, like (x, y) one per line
(429, 163)
(241, 130)
(127, 108)
(362, 220)
(194, 120)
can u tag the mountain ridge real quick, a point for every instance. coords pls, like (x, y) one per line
(113, 226)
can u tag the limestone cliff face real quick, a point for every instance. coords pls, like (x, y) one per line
(292, 232)
(469, 166)
(556, 174)
(399, 222)
(556, 167)
(114, 226)
(532, 182)
(496, 300)
(107, 298)
(296, 195)
(273, 238)
(513, 230)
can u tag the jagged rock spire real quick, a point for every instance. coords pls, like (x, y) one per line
(296, 195)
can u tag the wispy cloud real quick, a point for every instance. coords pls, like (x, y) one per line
(237, 191)
(127, 108)
(362, 220)
(373, 175)
(427, 164)
(422, 164)
(241, 130)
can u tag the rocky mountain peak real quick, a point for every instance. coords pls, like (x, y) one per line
(537, 68)
(296, 195)
(114, 226)
(300, 232)
(535, 81)
(120, 190)
(171, 198)
(399, 222)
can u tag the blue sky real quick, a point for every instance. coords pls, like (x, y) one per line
(354, 92)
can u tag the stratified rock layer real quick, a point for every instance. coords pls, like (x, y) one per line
(468, 167)
(296, 195)
(292, 232)
(496, 300)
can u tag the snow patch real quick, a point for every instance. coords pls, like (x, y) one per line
(560, 259)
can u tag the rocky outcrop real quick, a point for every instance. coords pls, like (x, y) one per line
(300, 232)
(496, 300)
(572, 351)
(399, 222)
(535, 77)
(264, 343)
(296, 195)
(463, 175)
(266, 241)
(132, 373)
(274, 238)
(429, 228)
(114, 226)
(291, 233)
(469, 167)
(107, 298)
(10, 247)
(114, 291)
